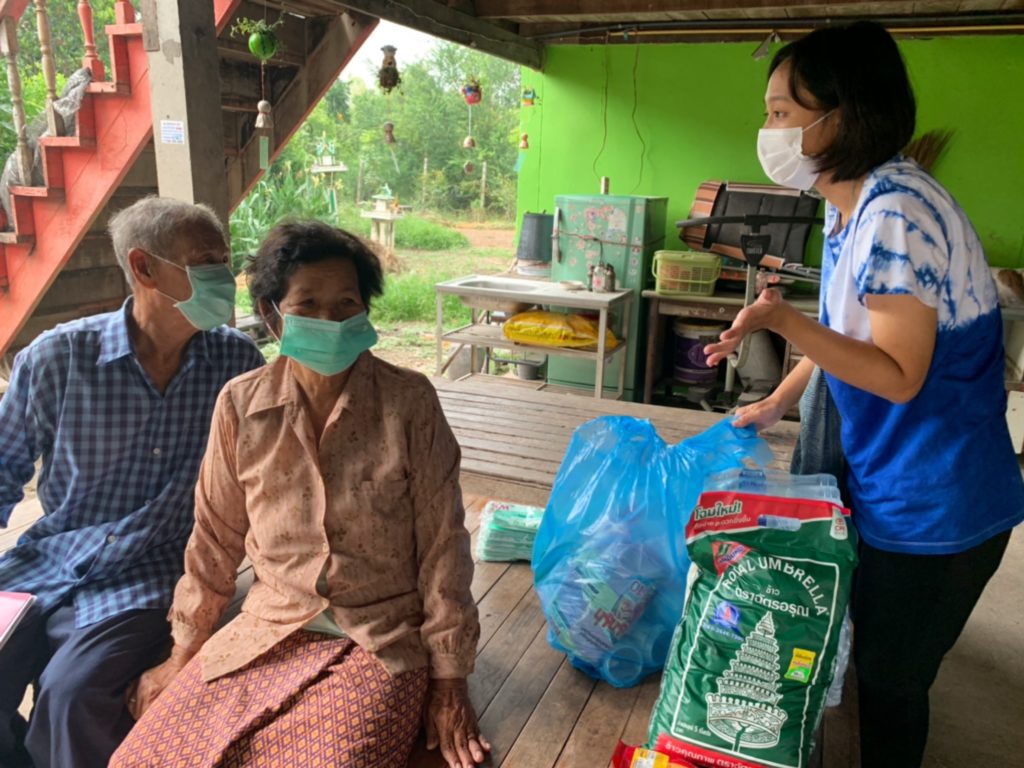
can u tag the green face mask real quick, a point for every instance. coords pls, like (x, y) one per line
(326, 346)
(213, 294)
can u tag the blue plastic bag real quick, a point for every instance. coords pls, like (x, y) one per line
(609, 562)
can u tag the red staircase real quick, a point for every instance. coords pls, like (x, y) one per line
(56, 263)
(81, 172)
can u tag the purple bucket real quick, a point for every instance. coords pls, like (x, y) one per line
(690, 364)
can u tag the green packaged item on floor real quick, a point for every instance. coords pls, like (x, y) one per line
(754, 654)
(507, 531)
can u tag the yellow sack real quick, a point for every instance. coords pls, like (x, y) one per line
(556, 329)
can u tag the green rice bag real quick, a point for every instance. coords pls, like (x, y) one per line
(754, 654)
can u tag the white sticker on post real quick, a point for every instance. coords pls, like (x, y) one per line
(172, 132)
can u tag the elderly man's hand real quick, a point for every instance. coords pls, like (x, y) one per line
(144, 691)
(451, 723)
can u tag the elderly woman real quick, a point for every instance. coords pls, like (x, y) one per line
(337, 475)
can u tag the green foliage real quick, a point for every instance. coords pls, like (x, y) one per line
(431, 120)
(410, 297)
(424, 235)
(275, 197)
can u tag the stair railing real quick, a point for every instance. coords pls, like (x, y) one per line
(11, 12)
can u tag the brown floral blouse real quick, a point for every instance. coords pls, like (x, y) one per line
(376, 505)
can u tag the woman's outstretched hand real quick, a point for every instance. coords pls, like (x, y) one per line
(451, 724)
(763, 313)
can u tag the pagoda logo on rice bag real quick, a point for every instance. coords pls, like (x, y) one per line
(754, 654)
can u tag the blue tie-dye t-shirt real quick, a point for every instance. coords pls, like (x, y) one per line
(938, 474)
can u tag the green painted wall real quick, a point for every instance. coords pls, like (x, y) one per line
(697, 108)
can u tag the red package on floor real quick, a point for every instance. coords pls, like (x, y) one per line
(626, 756)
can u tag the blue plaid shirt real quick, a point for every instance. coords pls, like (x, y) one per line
(120, 462)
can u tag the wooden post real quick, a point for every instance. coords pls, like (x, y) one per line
(359, 182)
(9, 44)
(186, 103)
(54, 122)
(423, 185)
(483, 187)
(91, 60)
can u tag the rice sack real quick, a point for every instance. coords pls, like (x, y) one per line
(753, 657)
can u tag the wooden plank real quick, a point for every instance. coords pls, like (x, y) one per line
(598, 730)
(441, 20)
(635, 731)
(552, 721)
(502, 721)
(502, 599)
(497, 659)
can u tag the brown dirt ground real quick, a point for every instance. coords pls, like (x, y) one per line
(489, 238)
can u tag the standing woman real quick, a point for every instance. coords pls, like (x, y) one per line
(910, 343)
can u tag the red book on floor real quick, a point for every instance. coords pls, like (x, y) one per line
(13, 607)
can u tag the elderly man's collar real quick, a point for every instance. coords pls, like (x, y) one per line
(115, 340)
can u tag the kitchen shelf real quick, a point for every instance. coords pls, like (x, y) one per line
(484, 289)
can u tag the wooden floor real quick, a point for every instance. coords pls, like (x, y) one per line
(537, 711)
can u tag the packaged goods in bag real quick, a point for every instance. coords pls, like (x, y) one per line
(507, 531)
(556, 329)
(610, 558)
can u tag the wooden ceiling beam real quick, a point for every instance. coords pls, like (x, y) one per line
(648, 11)
(440, 20)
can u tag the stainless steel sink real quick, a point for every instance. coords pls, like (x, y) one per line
(496, 284)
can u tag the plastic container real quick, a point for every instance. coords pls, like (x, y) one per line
(535, 237)
(690, 363)
(686, 273)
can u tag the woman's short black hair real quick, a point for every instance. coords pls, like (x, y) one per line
(291, 244)
(857, 70)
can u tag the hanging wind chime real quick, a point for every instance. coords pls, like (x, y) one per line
(263, 44)
(473, 94)
(527, 99)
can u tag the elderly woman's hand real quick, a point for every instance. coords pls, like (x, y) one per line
(144, 691)
(451, 722)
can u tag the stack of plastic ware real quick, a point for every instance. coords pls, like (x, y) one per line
(507, 531)
(753, 658)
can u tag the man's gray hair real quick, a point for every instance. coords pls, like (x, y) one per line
(154, 225)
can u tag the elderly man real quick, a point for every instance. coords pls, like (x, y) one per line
(118, 408)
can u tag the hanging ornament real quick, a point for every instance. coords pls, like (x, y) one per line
(469, 143)
(472, 92)
(468, 167)
(263, 44)
(529, 97)
(264, 129)
(389, 133)
(524, 141)
(388, 77)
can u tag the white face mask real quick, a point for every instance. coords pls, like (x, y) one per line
(782, 157)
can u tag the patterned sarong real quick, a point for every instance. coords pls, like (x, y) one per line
(312, 700)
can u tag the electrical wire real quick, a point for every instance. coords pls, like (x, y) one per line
(604, 107)
(636, 127)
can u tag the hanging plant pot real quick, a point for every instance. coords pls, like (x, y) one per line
(469, 143)
(389, 133)
(468, 168)
(387, 76)
(529, 97)
(472, 92)
(263, 42)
